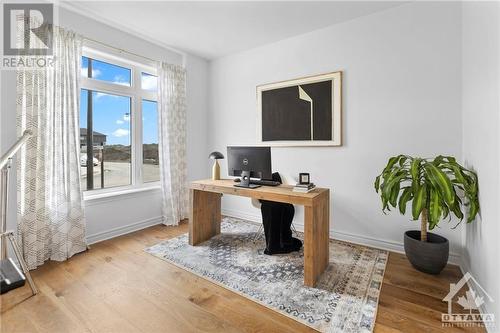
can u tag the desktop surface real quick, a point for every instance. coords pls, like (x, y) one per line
(281, 193)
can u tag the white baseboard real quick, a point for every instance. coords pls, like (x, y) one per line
(344, 236)
(122, 230)
(242, 215)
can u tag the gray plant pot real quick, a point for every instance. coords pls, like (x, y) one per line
(428, 257)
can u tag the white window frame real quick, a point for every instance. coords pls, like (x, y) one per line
(137, 66)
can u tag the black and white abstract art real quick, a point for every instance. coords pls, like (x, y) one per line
(301, 112)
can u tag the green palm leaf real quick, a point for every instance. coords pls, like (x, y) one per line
(406, 196)
(419, 201)
(441, 181)
(435, 208)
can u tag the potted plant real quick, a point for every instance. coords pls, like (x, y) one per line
(436, 189)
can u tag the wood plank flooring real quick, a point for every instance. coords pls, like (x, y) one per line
(117, 287)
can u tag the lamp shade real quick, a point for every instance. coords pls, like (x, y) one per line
(216, 155)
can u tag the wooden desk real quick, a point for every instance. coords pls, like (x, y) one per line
(205, 217)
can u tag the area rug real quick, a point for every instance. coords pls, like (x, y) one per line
(344, 300)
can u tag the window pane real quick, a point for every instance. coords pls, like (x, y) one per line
(111, 120)
(108, 72)
(149, 82)
(85, 67)
(150, 167)
(111, 149)
(83, 138)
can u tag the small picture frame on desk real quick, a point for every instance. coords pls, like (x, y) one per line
(304, 178)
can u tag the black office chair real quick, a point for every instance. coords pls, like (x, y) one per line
(277, 223)
(257, 204)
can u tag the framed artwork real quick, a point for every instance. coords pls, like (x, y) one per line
(301, 112)
(304, 178)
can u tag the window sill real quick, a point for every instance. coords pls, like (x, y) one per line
(89, 197)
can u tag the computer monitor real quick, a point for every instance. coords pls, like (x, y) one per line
(254, 162)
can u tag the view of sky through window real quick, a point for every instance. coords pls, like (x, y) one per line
(151, 170)
(149, 82)
(111, 116)
(106, 72)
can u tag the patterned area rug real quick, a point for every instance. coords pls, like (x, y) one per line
(346, 296)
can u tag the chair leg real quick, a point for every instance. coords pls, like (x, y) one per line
(258, 233)
(261, 231)
(24, 267)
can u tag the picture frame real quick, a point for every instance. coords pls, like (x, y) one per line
(304, 178)
(301, 112)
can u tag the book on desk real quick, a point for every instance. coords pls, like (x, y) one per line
(304, 188)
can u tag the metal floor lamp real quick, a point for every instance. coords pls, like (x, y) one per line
(5, 165)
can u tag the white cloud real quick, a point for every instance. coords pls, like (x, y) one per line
(119, 79)
(119, 122)
(100, 95)
(121, 132)
(149, 82)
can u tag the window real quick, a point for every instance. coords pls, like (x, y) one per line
(149, 82)
(118, 123)
(150, 155)
(100, 70)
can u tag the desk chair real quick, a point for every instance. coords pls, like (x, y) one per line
(257, 204)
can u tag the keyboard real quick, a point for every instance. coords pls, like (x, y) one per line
(264, 182)
(260, 182)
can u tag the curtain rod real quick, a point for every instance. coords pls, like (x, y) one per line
(21, 17)
(120, 50)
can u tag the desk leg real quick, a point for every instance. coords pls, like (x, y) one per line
(204, 215)
(316, 238)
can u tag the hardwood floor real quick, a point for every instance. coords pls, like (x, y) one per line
(117, 287)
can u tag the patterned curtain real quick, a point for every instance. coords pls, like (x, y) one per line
(172, 142)
(51, 224)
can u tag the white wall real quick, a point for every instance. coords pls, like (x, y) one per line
(401, 94)
(112, 216)
(197, 117)
(481, 140)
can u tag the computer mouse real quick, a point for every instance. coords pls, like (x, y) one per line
(236, 180)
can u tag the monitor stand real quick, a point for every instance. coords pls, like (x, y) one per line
(245, 181)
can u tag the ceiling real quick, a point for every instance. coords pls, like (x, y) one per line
(215, 29)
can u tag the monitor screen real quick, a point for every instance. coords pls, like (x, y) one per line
(257, 160)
